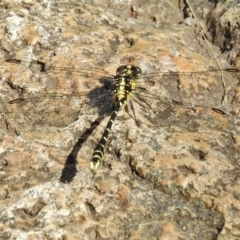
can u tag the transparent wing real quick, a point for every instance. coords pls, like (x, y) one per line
(52, 95)
(192, 100)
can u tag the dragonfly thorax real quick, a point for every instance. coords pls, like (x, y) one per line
(126, 82)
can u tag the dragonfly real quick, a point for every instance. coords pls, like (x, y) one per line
(56, 96)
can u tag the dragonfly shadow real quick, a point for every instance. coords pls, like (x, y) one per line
(69, 171)
(100, 98)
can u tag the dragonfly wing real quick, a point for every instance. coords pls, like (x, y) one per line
(55, 96)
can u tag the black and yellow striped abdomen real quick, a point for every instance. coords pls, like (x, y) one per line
(124, 87)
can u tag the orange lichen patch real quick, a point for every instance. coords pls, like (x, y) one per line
(183, 66)
(19, 75)
(108, 186)
(32, 35)
(104, 186)
(237, 94)
(237, 62)
(124, 194)
(20, 159)
(169, 231)
(237, 142)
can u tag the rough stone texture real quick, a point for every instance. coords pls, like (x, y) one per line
(224, 26)
(174, 177)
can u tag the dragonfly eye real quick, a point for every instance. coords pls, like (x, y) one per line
(122, 70)
(136, 71)
(128, 70)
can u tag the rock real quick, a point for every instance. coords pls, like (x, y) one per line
(170, 173)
